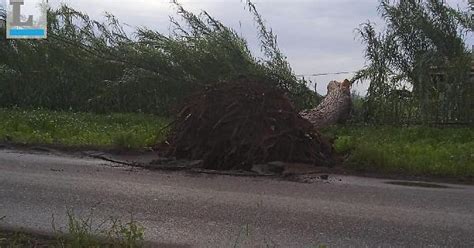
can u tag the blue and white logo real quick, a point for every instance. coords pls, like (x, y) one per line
(26, 19)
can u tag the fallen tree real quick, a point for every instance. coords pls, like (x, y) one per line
(335, 107)
(236, 124)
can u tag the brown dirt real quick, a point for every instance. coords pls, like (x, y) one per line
(233, 125)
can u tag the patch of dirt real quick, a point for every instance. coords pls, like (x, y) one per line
(235, 125)
(55, 148)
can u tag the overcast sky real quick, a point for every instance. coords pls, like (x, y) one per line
(318, 36)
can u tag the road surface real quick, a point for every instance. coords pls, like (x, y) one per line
(196, 210)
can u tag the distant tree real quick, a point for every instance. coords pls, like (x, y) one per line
(422, 48)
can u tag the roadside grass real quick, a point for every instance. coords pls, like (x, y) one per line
(417, 151)
(123, 131)
(81, 232)
(423, 151)
(113, 233)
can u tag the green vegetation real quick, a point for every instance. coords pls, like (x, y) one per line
(409, 151)
(91, 66)
(403, 150)
(130, 131)
(81, 232)
(419, 67)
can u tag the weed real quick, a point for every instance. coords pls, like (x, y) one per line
(129, 234)
(87, 232)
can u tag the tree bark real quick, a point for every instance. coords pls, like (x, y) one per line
(335, 107)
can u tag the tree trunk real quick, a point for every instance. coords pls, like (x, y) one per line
(335, 107)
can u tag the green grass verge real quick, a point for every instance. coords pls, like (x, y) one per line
(410, 151)
(447, 152)
(129, 131)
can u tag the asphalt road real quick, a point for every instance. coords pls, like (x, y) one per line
(196, 210)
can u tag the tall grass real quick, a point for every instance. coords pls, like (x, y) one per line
(81, 231)
(87, 65)
(409, 151)
(122, 131)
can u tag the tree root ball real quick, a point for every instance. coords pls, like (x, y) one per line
(233, 125)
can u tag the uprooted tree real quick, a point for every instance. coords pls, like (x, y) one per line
(335, 108)
(229, 124)
(236, 124)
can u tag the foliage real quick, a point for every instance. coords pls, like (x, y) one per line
(409, 151)
(85, 232)
(86, 65)
(277, 67)
(419, 66)
(129, 131)
(358, 109)
(81, 232)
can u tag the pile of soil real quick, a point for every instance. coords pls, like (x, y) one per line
(233, 125)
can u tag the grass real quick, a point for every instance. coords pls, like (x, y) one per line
(85, 231)
(446, 152)
(80, 232)
(124, 131)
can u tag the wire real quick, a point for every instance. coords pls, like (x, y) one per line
(326, 73)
